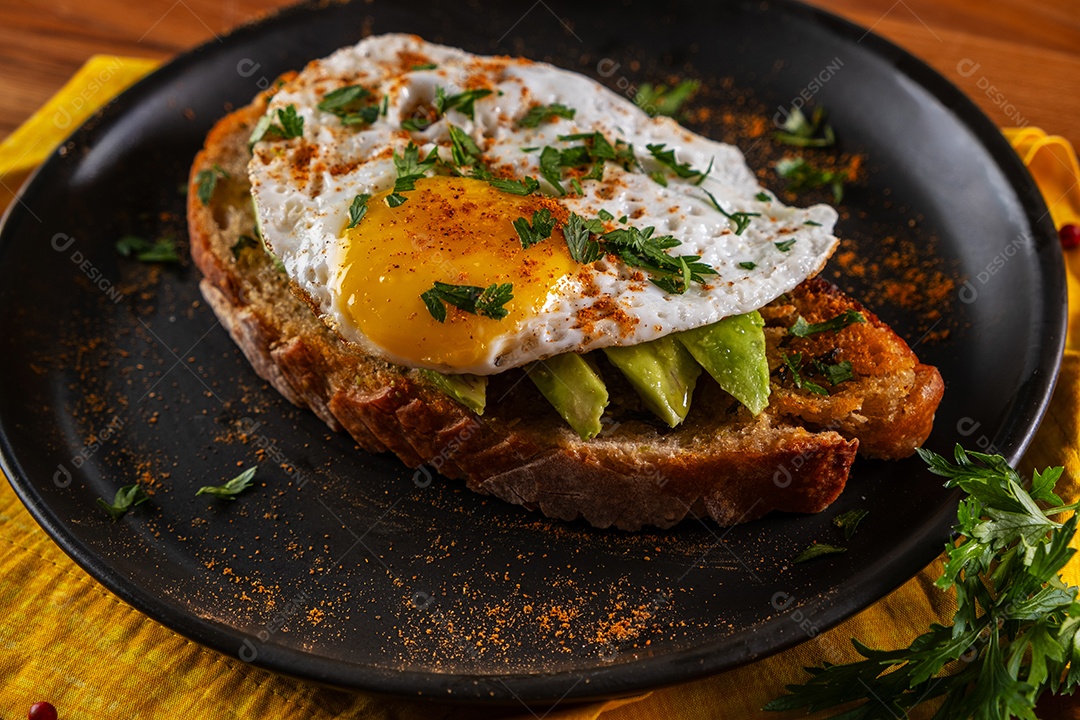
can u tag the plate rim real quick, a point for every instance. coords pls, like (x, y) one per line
(604, 680)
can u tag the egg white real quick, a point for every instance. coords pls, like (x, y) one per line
(303, 188)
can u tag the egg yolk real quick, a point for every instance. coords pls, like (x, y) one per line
(452, 230)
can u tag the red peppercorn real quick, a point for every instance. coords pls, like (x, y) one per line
(42, 711)
(1070, 236)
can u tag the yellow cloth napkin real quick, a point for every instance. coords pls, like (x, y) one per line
(66, 639)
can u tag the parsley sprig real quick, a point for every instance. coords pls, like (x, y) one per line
(741, 220)
(662, 100)
(232, 488)
(638, 248)
(351, 104)
(801, 176)
(486, 302)
(800, 131)
(289, 125)
(125, 498)
(1016, 630)
(160, 250)
(538, 114)
(410, 168)
(666, 158)
(463, 102)
(543, 223)
(802, 329)
(357, 210)
(207, 181)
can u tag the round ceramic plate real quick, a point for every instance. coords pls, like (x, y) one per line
(344, 568)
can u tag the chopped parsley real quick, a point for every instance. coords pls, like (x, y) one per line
(763, 197)
(741, 219)
(487, 302)
(638, 248)
(801, 175)
(418, 124)
(800, 131)
(849, 521)
(540, 113)
(550, 170)
(426, 66)
(683, 170)
(242, 243)
(357, 210)
(605, 215)
(794, 366)
(410, 168)
(207, 181)
(288, 125)
(351, 104)
(801, 328)
(516, 187)
(835, 374)
(463, 102)
(576, 186)
(543, 223)
(748, 265)
(125, 498)
(579, 238)
(161, 250)
(662, 100)
(818, 550)
(463, 148)
(785, 245)
(811, 223)
(232, 488)
(659, 178)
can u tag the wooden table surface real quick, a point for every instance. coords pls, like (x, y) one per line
(1019, 60)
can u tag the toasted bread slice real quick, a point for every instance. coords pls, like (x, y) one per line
(721, 462)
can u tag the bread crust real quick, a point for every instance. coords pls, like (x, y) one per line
(721, 463)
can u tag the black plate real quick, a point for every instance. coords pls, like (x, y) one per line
(340, 568)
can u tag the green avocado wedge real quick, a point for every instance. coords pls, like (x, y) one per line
(733, 352)
(662, 372)
(575, 389)
(469, 390)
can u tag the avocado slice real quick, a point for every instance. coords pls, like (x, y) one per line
(574, 387)
(469, 390)
(663, 373)
(733, 352)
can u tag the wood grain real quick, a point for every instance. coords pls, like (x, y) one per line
(1028, 52)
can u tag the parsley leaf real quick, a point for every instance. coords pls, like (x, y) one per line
(785, 245)
(638, 248)
(801, 328)
(351, 104)
(801, 131)
(243, 242)
(288, 125)
(683, 170)
(207, 181)
(748, 265)
(357, 210)
(662, 100)
(539, 113)
(793, 363)
(550, 170)
(515, 187)
(232, 488)
(161, 250)
(818, 550)
(801, 176)
(543, 223)
(425, 66)
(410, 168)
(1016, 631)
(125, 498)
(463, 102)
(605, 215)
(578, 233)
(487, 302)
(835, 374)
(763, 197)
(463, 148)
(849, 521)
(741, 219)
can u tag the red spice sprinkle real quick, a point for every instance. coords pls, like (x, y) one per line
(42, 711)
(1070, 236)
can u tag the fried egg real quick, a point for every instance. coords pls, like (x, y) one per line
(368, 276)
